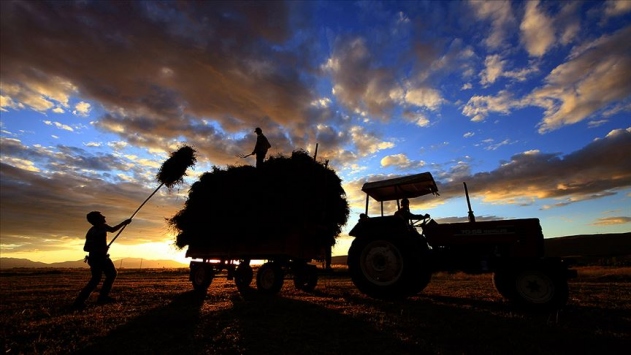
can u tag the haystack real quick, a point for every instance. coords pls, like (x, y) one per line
(243, 204)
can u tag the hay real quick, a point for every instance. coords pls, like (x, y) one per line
(173, 169)
(284, 195)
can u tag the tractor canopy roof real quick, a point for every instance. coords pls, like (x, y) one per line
(402, 187)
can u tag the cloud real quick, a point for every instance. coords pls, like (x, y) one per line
(418, 119)
(568, 21)
(358, 83)
(424, 97)
(500, 14)
(537, 30)
(82, 109)
(35, 91)
(400, 161)
(616, 8)
(599, 169)
(494, 146)
(366, 142)
(478, 107)
(46, 193)
(597, 75)
(494, 67)
(608, 221)
(59, 125)
(169, 71)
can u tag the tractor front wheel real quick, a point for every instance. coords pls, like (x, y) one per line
(535, 287)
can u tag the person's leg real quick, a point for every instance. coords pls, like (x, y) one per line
(110, 276)
(259, 159)
(96, 269)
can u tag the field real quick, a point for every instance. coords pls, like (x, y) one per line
(158, 313)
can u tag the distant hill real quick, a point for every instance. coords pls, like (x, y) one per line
(129, 263)
(589, 245)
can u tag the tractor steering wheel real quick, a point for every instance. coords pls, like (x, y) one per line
(421, 221)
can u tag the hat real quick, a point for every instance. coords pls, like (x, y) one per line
(258, 130)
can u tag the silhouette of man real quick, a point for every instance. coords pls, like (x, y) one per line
(261, 147)
(98, 259)
(404, 212)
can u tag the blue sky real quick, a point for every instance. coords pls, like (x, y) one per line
(529, 103)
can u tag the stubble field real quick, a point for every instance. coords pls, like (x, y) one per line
(158, 313)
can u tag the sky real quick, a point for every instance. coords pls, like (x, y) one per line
(529, 103)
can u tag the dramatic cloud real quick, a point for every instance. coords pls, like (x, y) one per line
(599, 169)
(597, 75)
(358, 83)
(157, 70)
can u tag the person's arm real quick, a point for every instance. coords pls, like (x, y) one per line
(417, 216)
(118, 226)
(255, 146)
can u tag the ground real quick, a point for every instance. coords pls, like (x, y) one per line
(159, 313)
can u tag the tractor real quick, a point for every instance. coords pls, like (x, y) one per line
(392, 257)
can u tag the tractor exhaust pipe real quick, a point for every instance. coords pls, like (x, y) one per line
(466, 192)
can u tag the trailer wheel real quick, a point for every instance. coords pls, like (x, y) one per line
(540, 288)
(201, 276)
(243, 276)
(269, 278)
(383, 268)
(306, 278)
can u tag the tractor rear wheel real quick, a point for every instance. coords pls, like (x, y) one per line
(386, 268)
(270, 278)
(422, 275)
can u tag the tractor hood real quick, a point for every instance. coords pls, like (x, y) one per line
(403, 187)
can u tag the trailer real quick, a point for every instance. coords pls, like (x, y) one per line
(289, 255)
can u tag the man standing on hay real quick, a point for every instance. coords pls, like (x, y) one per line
(98, 259)
(261, 147)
